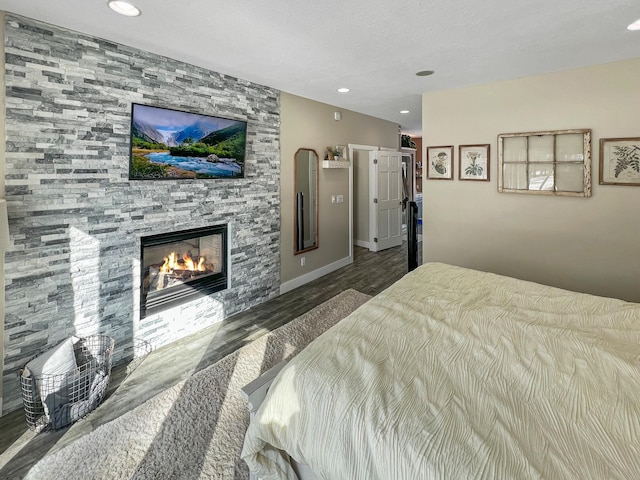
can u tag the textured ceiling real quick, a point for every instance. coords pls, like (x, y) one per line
(374, 47)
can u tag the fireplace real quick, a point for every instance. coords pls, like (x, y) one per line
(179, 266)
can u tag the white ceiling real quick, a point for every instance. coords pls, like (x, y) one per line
(374, 47)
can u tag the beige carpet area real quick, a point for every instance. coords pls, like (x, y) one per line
(195, 429)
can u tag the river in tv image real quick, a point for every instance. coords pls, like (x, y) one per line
(200, 165)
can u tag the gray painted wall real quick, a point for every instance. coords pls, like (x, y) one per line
(75, 218)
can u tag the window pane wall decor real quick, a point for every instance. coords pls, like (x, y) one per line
(547, 163)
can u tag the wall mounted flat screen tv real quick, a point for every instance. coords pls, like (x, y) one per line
(170, 144)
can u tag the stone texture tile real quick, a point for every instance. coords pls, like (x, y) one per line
(76, 219)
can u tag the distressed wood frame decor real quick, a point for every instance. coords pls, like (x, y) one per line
(556, 162)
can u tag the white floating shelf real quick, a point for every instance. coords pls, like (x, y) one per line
(336, 164)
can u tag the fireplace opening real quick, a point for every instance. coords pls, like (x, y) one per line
(179, 266)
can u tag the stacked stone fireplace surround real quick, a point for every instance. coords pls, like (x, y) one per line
(75, 217)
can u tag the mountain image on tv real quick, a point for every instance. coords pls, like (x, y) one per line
(170, 144)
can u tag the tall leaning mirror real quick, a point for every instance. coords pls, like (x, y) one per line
(306, 201)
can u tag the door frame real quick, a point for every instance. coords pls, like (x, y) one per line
(352, 147)
(374, 148)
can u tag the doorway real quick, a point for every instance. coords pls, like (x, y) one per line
(360, 225)
(377, 197)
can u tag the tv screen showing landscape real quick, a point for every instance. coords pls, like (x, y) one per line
(171, 144)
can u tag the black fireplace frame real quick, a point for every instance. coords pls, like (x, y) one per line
(154, 302)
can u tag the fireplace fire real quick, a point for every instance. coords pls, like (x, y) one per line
(178, 266)
(177, 269)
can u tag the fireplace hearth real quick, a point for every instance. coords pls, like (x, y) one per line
(177, 267)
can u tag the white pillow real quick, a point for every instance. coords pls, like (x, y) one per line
(59, 360)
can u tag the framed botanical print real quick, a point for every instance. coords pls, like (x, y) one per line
(620, 161)
(440, 163)
(473, 162)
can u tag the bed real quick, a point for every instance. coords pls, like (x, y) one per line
(453, 373)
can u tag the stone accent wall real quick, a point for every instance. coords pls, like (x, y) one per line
(75, 218)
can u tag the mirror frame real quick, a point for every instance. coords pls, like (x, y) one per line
(295, 213)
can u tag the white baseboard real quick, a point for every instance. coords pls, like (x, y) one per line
(362, 243)
(308, 277)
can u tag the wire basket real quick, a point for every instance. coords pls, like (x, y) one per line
(74, 394)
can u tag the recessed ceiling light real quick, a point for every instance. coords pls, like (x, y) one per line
(404, 111)
(343, 90)
(634, 26)
(124, 8)
(424, 73)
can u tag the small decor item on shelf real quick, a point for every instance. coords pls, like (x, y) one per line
(407, 142)
(330, 155)
(340, 152)
(66, 382)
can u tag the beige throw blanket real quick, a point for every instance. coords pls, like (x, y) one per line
(458, 374)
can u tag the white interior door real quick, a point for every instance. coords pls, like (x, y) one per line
(386, 199)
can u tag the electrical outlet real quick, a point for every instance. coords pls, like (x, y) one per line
(333, 199)
(302, 260)
(340, 198)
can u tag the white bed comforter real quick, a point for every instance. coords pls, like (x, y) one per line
(457, 374)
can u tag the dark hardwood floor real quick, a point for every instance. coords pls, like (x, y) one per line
(133, 384)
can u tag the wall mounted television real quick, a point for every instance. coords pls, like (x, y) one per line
(169, 144)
